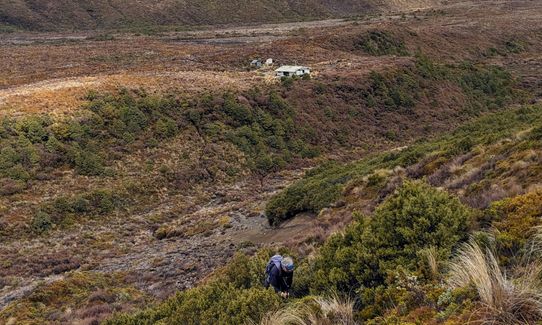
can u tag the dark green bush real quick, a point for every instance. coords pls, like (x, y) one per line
(491, 84)
(395, 91)
(413, 219)
(165, 128)
(17, 172)
(102, 201)
(239, 113)
(287, 82)
(41, 222)
(216, 303)
(311, 195)
(36, 143)
(66, 209)
(514, 46)
(378, 42)
(89, 163)
(34, 128)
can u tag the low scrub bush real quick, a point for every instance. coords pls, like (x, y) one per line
(83, 142)
(415, 218)
(311, 194)
(261, 123)
(9, 186)
(41, 222)
(215, 303)
(74, 290)
(64, 210)
(515, 221)
(378, 42)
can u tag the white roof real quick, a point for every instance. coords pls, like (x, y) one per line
(291, 68)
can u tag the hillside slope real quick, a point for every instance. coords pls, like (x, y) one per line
(78, 14)
(409, 261)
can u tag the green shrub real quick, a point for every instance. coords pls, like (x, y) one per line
(27, 153)
(166, 128)
(514, 46)
(369, 260)
(515, 221)
(239, 113)
(416, 217)
(8, 157)
(307, 195)
(65, 209)
(266, 164)
(17, 172)
(41, 222)
(395, 91)
(287, 82)
(378, 42)
(413, 219)
(491, 84)
(216, 303)
(33, 128)
(88, 163)
(101, 201)
(134, 119)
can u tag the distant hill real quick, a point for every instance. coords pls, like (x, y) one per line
(96, 14)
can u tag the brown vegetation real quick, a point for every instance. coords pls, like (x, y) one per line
(194, 202)
(77, 14)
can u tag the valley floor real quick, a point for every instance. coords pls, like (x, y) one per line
(175, 238)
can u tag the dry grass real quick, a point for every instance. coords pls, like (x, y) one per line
(503, 300)
(59, 97)
(334, 310)
(533, 250)
(432, 261)
(318, 311)
(285, 316)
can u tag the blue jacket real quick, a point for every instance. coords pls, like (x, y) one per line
(280, 279)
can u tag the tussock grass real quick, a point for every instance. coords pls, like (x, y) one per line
(432, 261)
(287, 316)
(333, 310)
(504, 300)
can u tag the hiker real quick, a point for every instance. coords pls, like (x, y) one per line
(279, 274)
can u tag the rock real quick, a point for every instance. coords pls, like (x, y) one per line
(255, 214)
(338, 204)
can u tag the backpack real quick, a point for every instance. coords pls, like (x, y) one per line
(276, 261)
